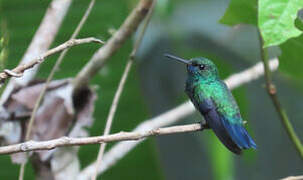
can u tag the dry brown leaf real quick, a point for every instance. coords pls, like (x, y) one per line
(60, 114)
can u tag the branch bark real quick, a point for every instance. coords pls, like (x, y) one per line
(112, 45)
(122, 136)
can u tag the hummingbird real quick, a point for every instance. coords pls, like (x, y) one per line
(212, 98)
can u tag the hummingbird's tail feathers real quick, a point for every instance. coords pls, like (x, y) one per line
(239, 135)
(214, 121)
(252, 143)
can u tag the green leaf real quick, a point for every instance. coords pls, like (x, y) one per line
(291, 58)
(276, 20)
(240, 12)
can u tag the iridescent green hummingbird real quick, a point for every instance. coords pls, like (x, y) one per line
(212, 98)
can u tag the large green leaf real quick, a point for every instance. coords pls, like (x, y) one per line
(276, 20)
(240, 12)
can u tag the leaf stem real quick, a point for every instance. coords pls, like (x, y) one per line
(272, 91)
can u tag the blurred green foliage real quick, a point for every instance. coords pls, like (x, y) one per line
(239, 12)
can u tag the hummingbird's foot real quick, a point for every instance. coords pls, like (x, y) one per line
(204, 126)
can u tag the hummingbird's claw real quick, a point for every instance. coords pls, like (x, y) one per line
(204, 126)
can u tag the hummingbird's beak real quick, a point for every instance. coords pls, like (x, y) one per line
(177, 59)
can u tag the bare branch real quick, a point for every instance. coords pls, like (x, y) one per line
(112, 45)
(111, 114)
(21, 68)
(74, 35)
(172, 116)
(50, 77)
(122, 136)
(118, 93)
(43, 38)
(64, 47)
(18, 71)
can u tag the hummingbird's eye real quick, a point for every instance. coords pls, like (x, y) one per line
(201, 66)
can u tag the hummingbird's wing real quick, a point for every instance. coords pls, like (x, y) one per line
(227, 128)
(235, 129)
(215, 122)
(230, 117)
(207, 108)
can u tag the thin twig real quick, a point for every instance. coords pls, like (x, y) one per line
(83, 19)
(111, 114)
(172, 116)
(74, 35)
(40, 43)
(121, 136)
(43, 38)
(120, 88)
(272, 91)
(50, 77)
(112, 45)
(18, 71)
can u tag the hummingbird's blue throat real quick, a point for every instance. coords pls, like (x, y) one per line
(191, 69)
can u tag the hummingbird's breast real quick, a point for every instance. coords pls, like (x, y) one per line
(197, 85)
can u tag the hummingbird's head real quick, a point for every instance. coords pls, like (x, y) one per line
(198, 67)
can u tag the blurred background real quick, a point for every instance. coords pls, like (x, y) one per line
(155, 85)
